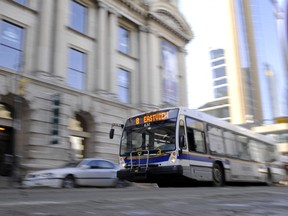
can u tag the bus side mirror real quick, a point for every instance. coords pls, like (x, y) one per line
(111, 134)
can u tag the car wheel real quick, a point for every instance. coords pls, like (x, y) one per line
(269, 178)
(69, 182)
(218, 175)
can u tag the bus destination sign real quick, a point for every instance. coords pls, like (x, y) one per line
(151, 118)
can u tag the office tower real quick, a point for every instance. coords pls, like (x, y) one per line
(254, 64)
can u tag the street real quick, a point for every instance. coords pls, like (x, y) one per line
(146, 200)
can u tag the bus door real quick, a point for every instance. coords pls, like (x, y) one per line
(199, 166)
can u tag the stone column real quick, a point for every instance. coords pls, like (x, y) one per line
(43, 57)
(182, 78)
(112, 52)
(143, 65)
(60, 49)
(102, 45)
(154, 87)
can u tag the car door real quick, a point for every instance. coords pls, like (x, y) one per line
(101, 173)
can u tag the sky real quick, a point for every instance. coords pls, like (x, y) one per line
(203, 17)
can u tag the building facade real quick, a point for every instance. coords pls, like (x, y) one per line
(70, 68)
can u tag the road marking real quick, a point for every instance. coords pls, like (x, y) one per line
(139, 212)
(233, 205)
(34, 203)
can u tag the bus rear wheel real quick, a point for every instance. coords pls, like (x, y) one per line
(218, 175)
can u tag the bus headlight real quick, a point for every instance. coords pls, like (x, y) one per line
(173, 157)
(122, 162)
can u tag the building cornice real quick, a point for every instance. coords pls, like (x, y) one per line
(162, 17)
(136, 8)
(165, 23)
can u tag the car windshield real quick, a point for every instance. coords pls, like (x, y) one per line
(71, 164)
(83, 162)
(155, 136)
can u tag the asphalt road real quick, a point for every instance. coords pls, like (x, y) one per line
(146, 200)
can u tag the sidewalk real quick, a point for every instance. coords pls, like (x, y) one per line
(6, 183)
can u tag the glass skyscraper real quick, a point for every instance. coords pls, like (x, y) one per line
(255, 70)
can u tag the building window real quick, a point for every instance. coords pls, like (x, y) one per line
(219, 72)
(220, 92)
(220, 82)
(123, 40)
(219, 53)
(218, 62)
(76, 69)
(123, 86)
(78, 17)
(11, 45)
(222, 112)
(22, 2)
(170, 71)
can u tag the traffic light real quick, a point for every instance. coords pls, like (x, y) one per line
(55, 118)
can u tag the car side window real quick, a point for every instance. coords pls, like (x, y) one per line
(98, 164)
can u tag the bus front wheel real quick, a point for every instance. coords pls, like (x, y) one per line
(218, 175)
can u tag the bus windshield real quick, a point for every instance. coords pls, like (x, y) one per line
(152, 137)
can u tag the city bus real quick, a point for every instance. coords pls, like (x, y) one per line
(180, 146)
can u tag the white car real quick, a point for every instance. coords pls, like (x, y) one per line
(89, 172)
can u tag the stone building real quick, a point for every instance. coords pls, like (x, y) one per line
(70, 68)
(249, 69)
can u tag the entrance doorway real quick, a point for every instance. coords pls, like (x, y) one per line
(78, 137)
(6, 150)
(77, 146)
(6, 141)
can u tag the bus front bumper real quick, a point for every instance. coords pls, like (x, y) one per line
(150, 174)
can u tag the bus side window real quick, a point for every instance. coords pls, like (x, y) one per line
(191, 141)
(196, 141)
(200, 141)
(215, 137)
(243, 148)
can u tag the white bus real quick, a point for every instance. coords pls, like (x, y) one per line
(178, 146)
